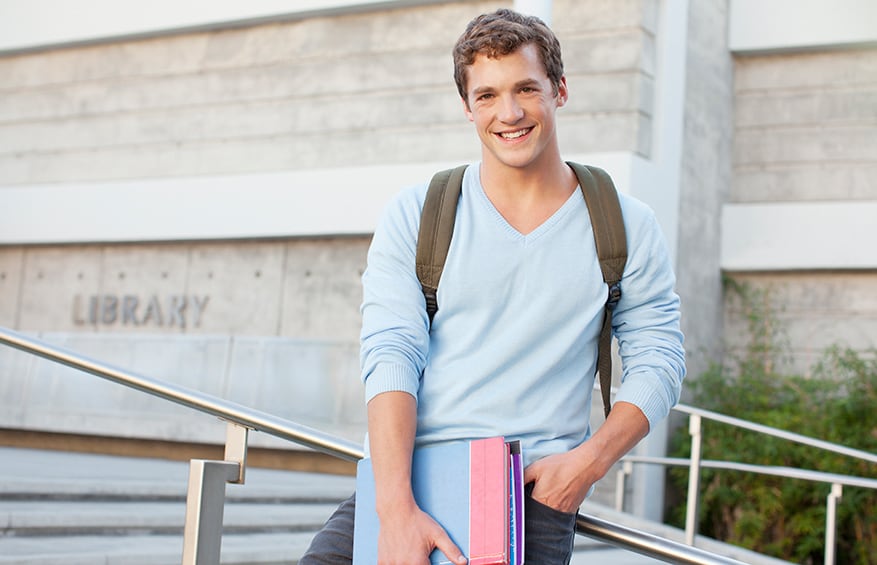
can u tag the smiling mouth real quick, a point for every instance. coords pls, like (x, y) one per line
(514, 134)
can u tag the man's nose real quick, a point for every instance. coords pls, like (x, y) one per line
(510, 110)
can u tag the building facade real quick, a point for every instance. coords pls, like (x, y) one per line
(190, 195)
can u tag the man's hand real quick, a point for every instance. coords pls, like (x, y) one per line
(408, 537)
(407, 534)
(562, 480)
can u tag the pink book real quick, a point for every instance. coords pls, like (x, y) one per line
(489, 502)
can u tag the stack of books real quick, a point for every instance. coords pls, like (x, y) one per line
(473, 489)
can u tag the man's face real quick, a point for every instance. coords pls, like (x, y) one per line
(512, 103)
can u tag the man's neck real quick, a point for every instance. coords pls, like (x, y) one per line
(527, 196)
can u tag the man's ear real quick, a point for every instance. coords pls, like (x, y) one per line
(466, 110)
(562, 92)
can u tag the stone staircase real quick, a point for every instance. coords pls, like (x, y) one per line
(80, 509)
(84, 509)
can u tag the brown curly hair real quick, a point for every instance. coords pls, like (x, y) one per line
(503, 32)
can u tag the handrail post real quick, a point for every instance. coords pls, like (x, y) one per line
(621, 484)
(831, 522)
(205, 498)
(691, 507)
(236, 448)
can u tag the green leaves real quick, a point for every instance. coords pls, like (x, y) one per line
(784, 518)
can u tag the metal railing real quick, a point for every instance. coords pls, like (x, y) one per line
(696, 463)
(205, 497)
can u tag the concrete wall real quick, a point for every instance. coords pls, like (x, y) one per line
(313, 382)
(705, 179)
(306, 288)
(236, 316)
(811, 310)
(291, 95)
(805, 131)
(805, 126)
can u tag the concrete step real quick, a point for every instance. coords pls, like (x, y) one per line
(261, 549)
(52, 518)
(76, 509)
(85, 509)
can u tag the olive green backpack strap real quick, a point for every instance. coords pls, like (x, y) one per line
(608, 226)
(436, 229)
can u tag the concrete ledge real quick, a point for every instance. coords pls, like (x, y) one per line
(294, 459)
(25, 25)
(305, 203)
(283, 204)
(759, 26)
(799, 236)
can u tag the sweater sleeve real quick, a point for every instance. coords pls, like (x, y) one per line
(646, 320)
(395, 329)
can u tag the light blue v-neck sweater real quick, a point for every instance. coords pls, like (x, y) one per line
(513, 345)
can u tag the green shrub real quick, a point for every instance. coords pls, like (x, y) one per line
(782, 517)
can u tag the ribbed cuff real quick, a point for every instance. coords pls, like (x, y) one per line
(389, 377)
(650, 401)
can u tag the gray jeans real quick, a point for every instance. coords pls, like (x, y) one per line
(548, 539)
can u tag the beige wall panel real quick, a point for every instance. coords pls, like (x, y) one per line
(11, 271)
(807, 340)
(833, 69)
(625, 91)
(15, 390)
(243, 283)
(286, 95)
(230, 123)
(573, 16)
(53, 278)
(629, 131)
(162, 55)
(813, 311)
(389, 30)
(297, 79)
(797, 108)
(805, 126)
(839, 144)
(806, 181)
(323, 290)
(705, 178)
(310, 382)
(244, 155)
(617, 50)
(149, 285)
(64, 400)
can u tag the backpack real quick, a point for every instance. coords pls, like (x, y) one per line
(437, 227)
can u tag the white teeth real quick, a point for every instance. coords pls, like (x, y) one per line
(515, 134)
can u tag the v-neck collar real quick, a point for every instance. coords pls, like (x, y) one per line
(543, 228)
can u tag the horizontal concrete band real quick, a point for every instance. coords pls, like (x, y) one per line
(291, 203)
(788, 25)
(24, 25)
(309, 203)
(799, 236)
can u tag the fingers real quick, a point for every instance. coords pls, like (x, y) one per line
(444, 544)
(531, 473)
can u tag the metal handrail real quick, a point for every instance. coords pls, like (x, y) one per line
(695, 464)
(773, 470)
(776, 432)
(191, 398)
(238, 415)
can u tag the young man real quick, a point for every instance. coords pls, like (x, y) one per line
(512, 348)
